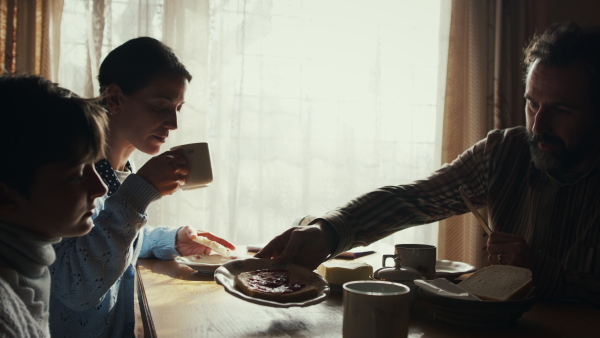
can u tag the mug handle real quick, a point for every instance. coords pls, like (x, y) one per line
(385, 257)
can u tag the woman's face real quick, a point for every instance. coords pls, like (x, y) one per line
(145, 118)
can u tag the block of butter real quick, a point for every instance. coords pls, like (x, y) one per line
(340, 272)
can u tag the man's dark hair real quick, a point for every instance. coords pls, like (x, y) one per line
(42, 123)
(134, 64)
(564, 43)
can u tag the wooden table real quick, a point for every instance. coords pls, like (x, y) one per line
(176, 301)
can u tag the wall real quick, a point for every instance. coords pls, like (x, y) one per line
(586, 12)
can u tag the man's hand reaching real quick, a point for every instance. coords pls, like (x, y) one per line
(306, 245)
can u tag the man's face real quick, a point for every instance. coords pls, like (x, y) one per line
(62, 200)
(562, 127)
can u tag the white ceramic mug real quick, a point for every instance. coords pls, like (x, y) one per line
(421, 257)
(198, 161)
(375, 309)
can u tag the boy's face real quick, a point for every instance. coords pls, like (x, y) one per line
(62, 200)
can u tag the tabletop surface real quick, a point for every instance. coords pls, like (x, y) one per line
(177, 301)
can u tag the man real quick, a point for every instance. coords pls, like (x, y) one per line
(541, 183)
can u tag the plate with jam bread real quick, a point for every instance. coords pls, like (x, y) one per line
(262, 281)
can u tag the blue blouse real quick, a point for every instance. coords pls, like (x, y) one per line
(93, 276)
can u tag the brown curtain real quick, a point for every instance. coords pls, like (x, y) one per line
(28, 30)
(8, 20)
(484, 91)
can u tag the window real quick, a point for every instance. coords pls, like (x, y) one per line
(305, 104)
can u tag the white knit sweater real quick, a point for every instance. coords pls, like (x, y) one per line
(24, 283)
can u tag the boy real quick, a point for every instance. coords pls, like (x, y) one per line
(49, 141)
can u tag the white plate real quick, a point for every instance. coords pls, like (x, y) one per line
(451, 269)
(205, 263)
(225, 275)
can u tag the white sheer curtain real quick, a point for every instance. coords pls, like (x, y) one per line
(305, 104)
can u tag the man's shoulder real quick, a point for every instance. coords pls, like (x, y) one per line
(509, 137)
(519, 132)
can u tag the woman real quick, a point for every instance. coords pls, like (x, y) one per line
(143, 84)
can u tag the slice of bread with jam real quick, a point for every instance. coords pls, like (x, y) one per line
(279, 285)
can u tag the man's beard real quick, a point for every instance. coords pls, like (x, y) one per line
(548, 161)
(558, 161)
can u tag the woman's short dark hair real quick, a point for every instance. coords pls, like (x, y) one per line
(134, 64)
(42, 123)
(564, 43)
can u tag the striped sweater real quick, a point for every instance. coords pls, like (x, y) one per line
(559, 221)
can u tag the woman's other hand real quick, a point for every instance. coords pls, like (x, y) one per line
(187, 246)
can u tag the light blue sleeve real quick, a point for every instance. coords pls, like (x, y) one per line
(159, 242)
(87, 267)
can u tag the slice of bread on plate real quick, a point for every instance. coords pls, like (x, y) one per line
(279, 285)
(216, 247)
(499, 283)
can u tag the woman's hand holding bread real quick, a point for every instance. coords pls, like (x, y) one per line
(187, 245)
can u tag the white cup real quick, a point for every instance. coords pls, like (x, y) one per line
(421, 257)
(198, 161)
(375, 309)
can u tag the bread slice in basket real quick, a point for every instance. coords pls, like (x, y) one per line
(499, 283)
(279, 285)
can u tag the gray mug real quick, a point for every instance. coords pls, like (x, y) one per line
(421, 257)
